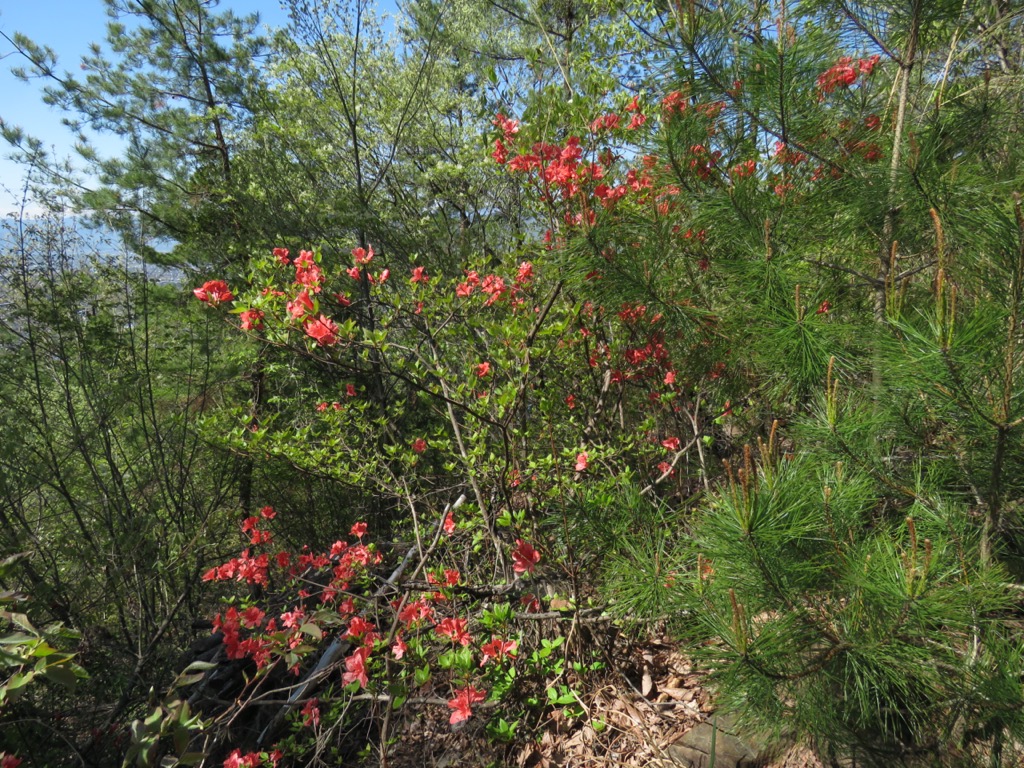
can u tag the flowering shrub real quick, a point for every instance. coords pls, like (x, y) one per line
(425, 630)
(498, 386)
(423, 634)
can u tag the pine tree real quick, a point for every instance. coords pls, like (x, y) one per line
(177, 84)
(860, 267)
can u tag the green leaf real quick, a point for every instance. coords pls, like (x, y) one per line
(42, 650)
(22, 621)
(61, 674)
(185, 680)
(18, 638)
(181, 738)
(154, 717)
(422, 675)
(19, 680)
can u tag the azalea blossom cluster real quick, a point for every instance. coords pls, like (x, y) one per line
(569, 181)
(495, 287)
(578, 190)
(744, 169)
(844, 73)
(786, 155)
(248, 633)
(649, 359)
(420, 617)
(509, 128)
(578, 177)
(302, 305)
(308, 281)
(703, 161)
(363, 257)
(253, 759)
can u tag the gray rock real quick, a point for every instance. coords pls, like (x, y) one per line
(694, 749)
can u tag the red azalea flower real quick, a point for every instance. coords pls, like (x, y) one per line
(362, 255)
(358, 627)
(672, 443)
(524, 557)
(213, 292)
(867, 66)
(293, 619)
(482, 369)
(841, 75)
(237, 760)
(310, 276)
(530, 603)
(252, 320)
(607, 122)
(418, 610)
(582, 460)
(355, 667)
(358, 530)
(497, 649)
(525, 273)
(494, 287)
(399, 648)
(462, 703)
(323, 329)
(311, 713)
(454, 629)
(500, 153)
(300, 305)
(338, 548)
(419, 275)
(281, 254)
(419, 445)
(744, 169)
(506, 125)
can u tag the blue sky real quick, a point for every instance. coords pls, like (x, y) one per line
(68, 27)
